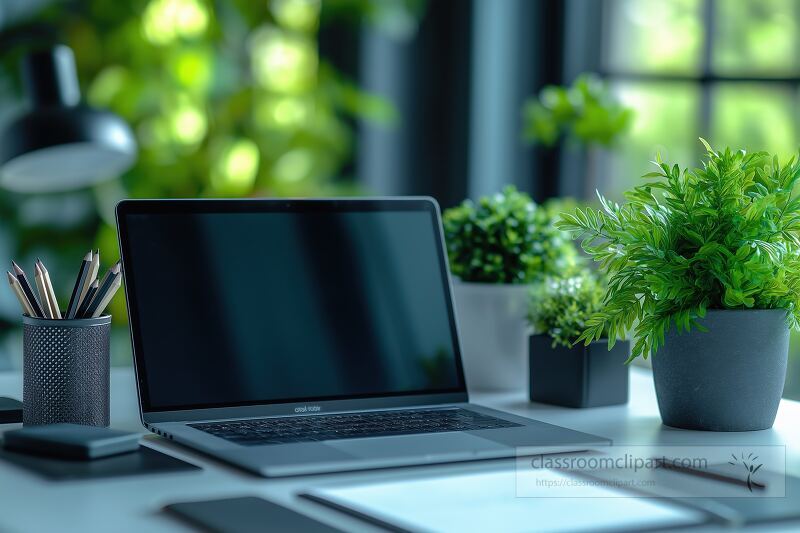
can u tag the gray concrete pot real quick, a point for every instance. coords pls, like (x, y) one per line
(728, 379)
(494, 335)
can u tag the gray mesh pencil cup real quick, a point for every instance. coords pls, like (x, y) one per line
(66, 371)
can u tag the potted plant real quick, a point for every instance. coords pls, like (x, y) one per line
(705, 265)
(571, 126)
(497, 247)
(561, 372)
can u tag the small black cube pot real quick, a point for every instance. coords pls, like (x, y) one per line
(581, 376)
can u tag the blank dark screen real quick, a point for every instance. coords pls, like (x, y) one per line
(238, 308)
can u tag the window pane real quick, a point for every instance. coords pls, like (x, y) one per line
(756, 37)
(755, 117)
(654, 36)
(665, 122)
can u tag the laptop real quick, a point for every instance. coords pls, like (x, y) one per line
(292, 337)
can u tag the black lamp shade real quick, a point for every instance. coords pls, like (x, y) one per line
(60, 144)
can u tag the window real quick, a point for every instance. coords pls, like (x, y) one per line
(725, 70)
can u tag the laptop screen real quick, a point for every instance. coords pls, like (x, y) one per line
(243, 303)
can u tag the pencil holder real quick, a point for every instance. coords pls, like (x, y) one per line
(66, 371)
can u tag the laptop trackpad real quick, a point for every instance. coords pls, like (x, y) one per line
(434, 445)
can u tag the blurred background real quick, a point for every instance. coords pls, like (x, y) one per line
(244, 98)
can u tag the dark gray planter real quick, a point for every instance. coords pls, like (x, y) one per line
(581, 376)
(728, 379)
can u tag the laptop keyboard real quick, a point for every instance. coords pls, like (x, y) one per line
(285, 430)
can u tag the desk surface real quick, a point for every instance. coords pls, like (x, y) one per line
(28, 503)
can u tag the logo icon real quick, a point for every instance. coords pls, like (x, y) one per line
(750, 466)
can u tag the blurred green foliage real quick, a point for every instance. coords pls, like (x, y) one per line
(507, 238)
(560, 307)
(656, 36)
(226, 99)
(585, 113)
(760, 36)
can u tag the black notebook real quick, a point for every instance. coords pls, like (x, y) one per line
(245, 515)
(144, 461)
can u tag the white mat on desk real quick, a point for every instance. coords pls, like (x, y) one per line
(488, 502)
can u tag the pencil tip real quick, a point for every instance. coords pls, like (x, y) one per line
(11, 277)
(115, 269)
(17, 269)
(88, 256)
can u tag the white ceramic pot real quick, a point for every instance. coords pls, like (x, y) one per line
(494, 335)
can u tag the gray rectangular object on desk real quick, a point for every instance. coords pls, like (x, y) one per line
(71, 441)
(142, 462)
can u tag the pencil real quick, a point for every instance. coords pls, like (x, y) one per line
(43, 295)
(26, 288)
(74, 300)
(23, 300)
(94, 267)
(101, 306)
(88, 299)
(51, 293)
(105, 286)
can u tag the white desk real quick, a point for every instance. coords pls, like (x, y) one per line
(29, 503)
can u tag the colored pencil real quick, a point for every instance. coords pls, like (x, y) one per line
(26, 288)
(74, 301)
(101, 306)
(51, 293)
(88, 299)
(23, 300)
(43, 295)
(111, 276)
(94, 267)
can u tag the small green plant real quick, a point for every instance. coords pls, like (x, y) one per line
(585, 112)
(506, 238)
(560, 307)
(724, 236)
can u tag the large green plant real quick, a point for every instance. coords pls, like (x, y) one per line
(506, 238)
(560, 307)
(723, 236)
(586, 113)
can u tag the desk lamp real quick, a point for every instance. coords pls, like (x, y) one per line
(59, 144)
